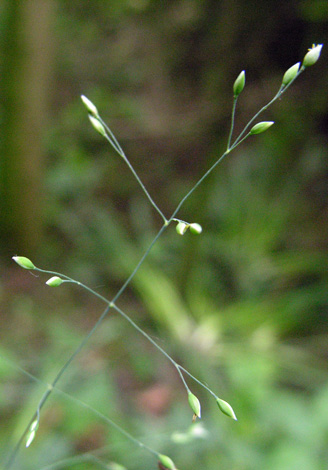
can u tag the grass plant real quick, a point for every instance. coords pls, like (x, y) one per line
(182, 226)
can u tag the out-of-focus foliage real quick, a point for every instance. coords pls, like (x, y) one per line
(243, 306)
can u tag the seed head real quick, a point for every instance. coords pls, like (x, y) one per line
(312, 56)
(291, 73)
(226, 408)
(90, 106)
(194, 404)
(23, 262)
(239, 84)
(261, 127)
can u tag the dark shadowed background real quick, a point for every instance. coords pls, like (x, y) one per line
(243, 306)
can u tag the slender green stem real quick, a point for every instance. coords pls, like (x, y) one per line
(152, 202)
(51, 387)
(116, 426)
(142, 259)
(69, 279)
(237, 141)
(178, 367)
(111, 304)
(234, 105)
(150, 339)
(114, 143)
(281, 90)
(14, 452)
(199, 182)
(198, 381)
(235, 144)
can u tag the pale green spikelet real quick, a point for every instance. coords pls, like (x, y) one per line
(194, 404)
(226, 408)
(261, 127)
(23, 262)
(291, 73)
(239, 84)
(312, 56)
(90, 106)
(54, 281)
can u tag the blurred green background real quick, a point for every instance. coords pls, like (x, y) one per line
(243, 306)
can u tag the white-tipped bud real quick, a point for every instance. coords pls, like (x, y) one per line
(23, 262)
(181, 228)
(97, 125)
(167, 462)
(226, 408)
(31, 433)
(261, 127)
(30, 438)
(194, 404)
(239, 84)
(290, 74)
(312, 56)
(90, 106)
(195, 228)
(54, 281)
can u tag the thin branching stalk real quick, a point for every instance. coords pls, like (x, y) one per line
(290, 76)
(81, 403)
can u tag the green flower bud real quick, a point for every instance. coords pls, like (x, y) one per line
(290, 74)
(117, 466)
(239, 84)
(97, 125)
(167, 462)
(312, 56)
(195, 228)
(54, 281)
(90, 106)
(194, 404)
(181, 228)
(261, 127)
(30, 438)
(32, 431)
(226, 408)
(23, 262)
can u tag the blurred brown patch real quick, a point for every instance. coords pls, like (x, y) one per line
(155, 400)
(92, 439)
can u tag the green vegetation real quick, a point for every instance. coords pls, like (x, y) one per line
(241, 306)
